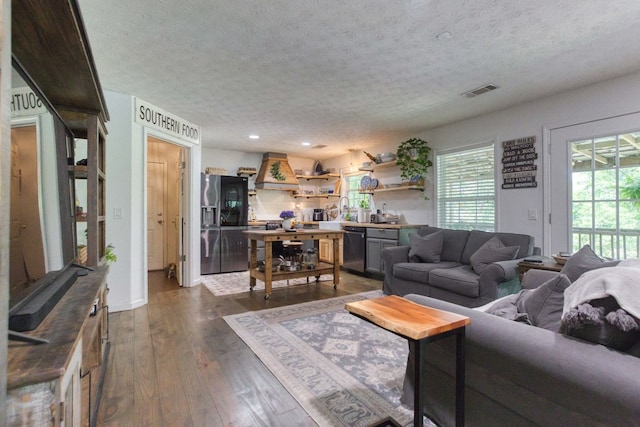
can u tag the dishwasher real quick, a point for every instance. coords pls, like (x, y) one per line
(354, 249)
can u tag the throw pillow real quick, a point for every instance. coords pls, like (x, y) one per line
(602, 321)
(493, 250)
(426, 248)
(506, 308)
(544, 304)
(582, 261)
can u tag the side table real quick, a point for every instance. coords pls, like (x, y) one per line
(419, 325)
(546, 264)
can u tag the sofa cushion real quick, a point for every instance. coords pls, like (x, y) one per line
(453, 243)
(477, 238)
(582, 261)
(460, 280)
(425, 248)
(544, 304)
(492, 251)
(418, 272)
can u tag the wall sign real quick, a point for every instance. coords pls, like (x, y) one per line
(24, 102)
(519, 167)
(149, 115)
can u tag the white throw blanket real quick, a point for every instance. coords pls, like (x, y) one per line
(621, 282)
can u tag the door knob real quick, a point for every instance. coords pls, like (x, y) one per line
(159, 221)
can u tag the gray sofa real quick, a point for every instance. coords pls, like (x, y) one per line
(518, 374)
(453, 278)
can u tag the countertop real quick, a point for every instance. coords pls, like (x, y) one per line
(352, 223)
(373, 225)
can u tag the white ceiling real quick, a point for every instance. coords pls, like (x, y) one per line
(351, 73)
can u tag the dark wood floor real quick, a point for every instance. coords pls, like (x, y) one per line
(175, 361)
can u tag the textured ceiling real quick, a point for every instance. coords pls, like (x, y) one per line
(348, 74)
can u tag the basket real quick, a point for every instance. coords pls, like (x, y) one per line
(215, 171)
(82, 255)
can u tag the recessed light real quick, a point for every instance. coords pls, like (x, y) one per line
(254, 136)
(306, 143)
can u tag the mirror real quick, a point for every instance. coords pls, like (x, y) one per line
(42, 223)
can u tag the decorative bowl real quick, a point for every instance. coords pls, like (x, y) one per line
(560, 259)
(385, 157)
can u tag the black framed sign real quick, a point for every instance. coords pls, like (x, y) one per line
(519, 167)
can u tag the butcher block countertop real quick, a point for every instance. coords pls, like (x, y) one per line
(350, 223)
(392, 226)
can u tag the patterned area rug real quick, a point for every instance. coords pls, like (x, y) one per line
(342, 370)
(235, 283)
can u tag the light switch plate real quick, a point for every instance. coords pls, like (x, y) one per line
(533, 214)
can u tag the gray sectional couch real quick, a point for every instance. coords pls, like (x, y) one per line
(518, 374)
(452, 277)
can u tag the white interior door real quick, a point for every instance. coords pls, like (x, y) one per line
(181, 215)
(560, 210)
(156, 174)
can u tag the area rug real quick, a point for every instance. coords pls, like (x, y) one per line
(342, 370)
(235, 283)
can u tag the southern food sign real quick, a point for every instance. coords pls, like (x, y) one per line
(519, 167)
(151, 116)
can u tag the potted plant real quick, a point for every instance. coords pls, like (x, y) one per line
(363, 210)
(109, 254)
(413, 158)
(287, 218)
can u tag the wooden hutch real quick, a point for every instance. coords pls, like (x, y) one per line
(59, 383)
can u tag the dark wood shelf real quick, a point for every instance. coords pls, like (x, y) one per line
(326, 176)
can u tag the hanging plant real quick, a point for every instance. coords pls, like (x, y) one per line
(413, 158)
(275, 171)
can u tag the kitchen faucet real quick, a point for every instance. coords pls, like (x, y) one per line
(340, 205)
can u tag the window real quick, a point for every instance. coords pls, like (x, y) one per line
(353, 190)
(605, 183)
(466, 189)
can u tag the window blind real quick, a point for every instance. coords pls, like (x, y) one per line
(466, 189)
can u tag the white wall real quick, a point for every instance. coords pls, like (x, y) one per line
(124, 279)
(126, 181)
(267, 204)
(602, 100)
(126, 157)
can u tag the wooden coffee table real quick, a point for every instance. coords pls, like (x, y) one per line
(419, 325)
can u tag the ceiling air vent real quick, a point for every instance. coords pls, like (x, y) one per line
(319, 146)
(480, 90)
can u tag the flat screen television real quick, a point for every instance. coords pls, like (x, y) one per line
(43, 225)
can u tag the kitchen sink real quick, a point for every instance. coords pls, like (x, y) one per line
(330, 225)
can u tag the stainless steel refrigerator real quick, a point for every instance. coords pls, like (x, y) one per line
(224, 213)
